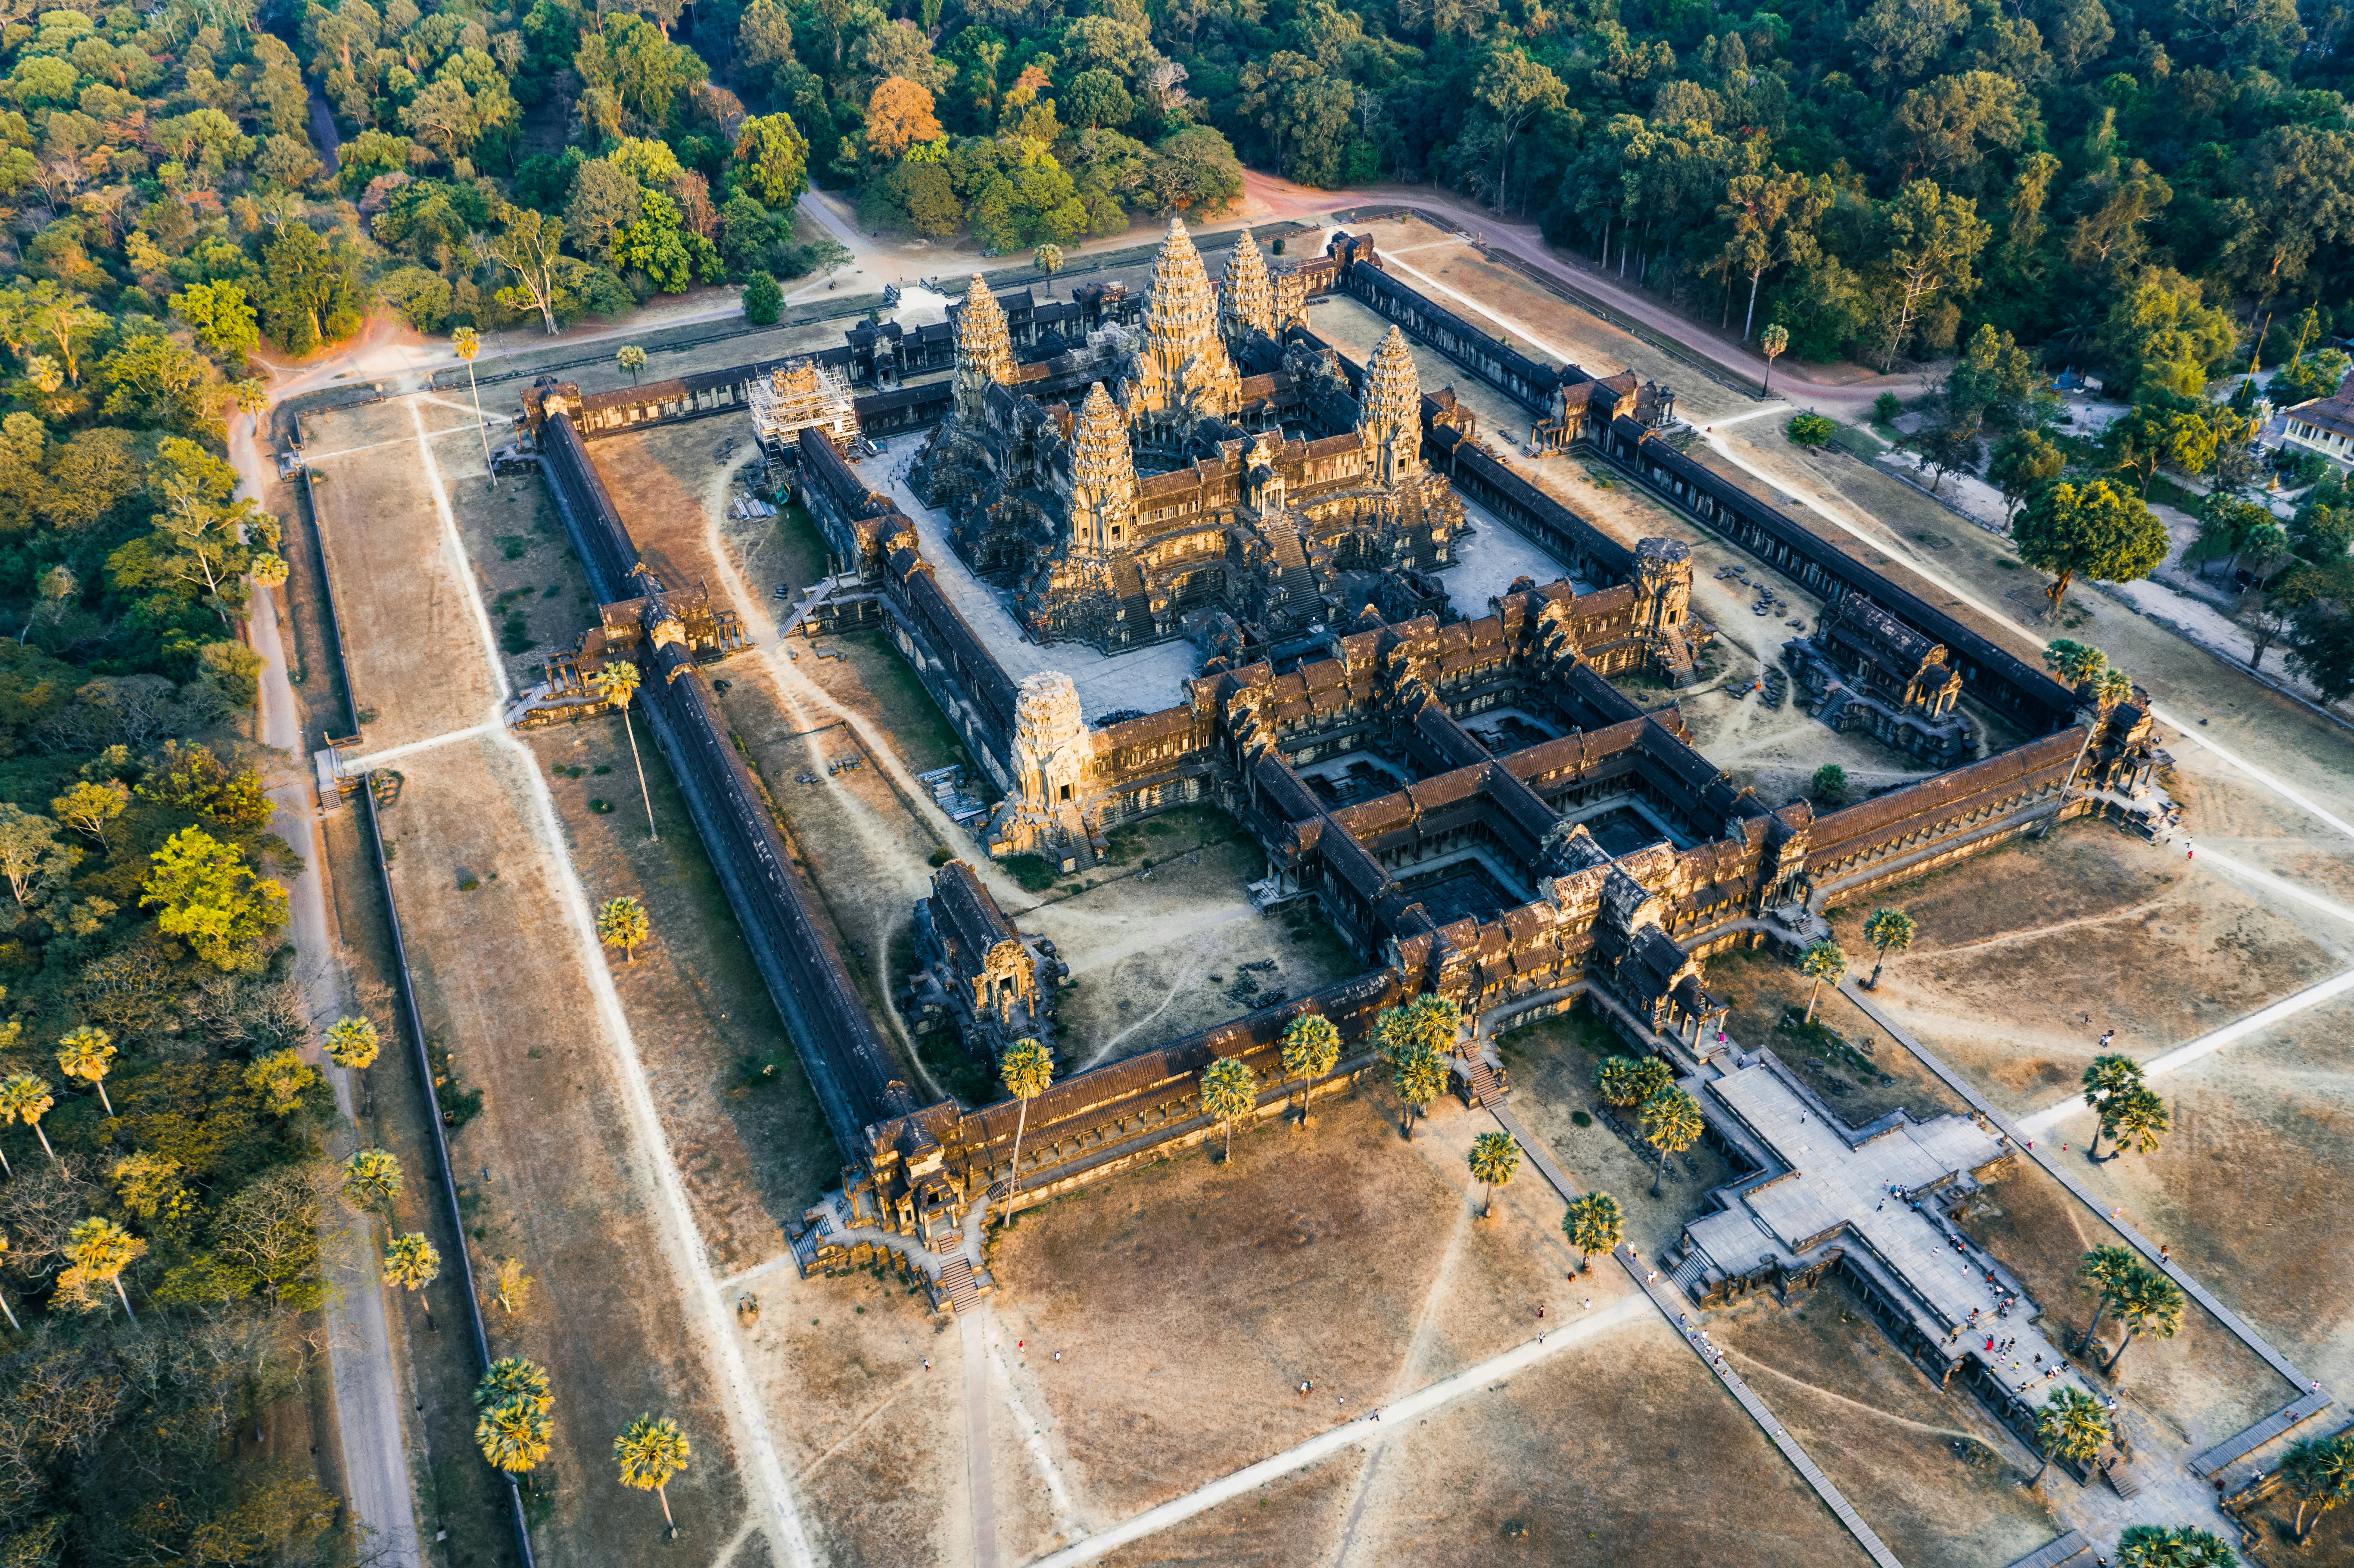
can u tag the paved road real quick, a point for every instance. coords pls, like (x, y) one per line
(360, 1360)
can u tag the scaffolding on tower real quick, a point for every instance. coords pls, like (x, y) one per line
(787, 401)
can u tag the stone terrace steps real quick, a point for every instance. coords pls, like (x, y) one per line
(2121, 1479)
(957, 1284)
(1486, 1092)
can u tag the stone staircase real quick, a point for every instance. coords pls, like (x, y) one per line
(1487, 1084)
(2121, 1479)
(1687, 1273)
(1302, 600)
(956, 1285)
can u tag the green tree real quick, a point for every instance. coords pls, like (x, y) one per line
(1311, 1049)
(1025, 1070)
(2108, 1077)
(87, 1053)
(208, 895)
(1889, 930)
(1772, 343)
(221, 316)
(1418, 1078)
(90, 805)
(1672, 1123)
(2172, 1546)
(412, 1263)
(651, 1455)
(371, 1177)
(528, 247)
(1831, 781)
(2023, 464)
(281, 1078)
(98, 1252)
(2093, 530)
(1429, 1022)
(2135, 1120)
(26, 1098)
(352, 1043)
(2071, 1425)
(1495, 1159)
(1593, 1224)
(633, 361)
(1515, 90)
(310, 289)
(1930, 240)
(1047, 259)
(773, 155)
(621, 923)
(1625, 1081)
(764, 302)
(1824, 960)
(2146, 1302)
(616, 682)
(1229, 1089)
(2319, 1474)
(2103, 1267)
(1773, 217)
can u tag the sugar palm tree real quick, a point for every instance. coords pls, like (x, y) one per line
(1889, 930)
(1311, 1048)
(1229, 1089)
(617, 682)
(1772, 343)
(87, 1053)
(26, 1098)
(1429, 1022)
(1625, 1081)
(1495, 1158)
(514, 1437)
(97, 1251)
(1419, 1078)
(2319, 1474)
(1824, 960)
(2072, 1426)
(1594, 1224)
(413, 1263)
(651, 1454)
(352, 1043)
(2146, 1302)
(1025, 1070)
(621, 923)
(2103, 1266)
(2172, 1546)
(513, 1379)
(633, 361)
(468, 344)
(371, 1176)
(2136, 1119)
(2104, 1080)
(1672, 1123)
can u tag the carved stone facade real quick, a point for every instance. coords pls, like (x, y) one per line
(1864, 669)
(979, 977)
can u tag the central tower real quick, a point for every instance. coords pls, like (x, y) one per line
(984, 353)
(1103, 478)
(1390, 411)
(1183, 372)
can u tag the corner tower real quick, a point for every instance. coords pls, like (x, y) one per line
(1181, 369)
(985, 352)
(1247, 303)
(1103, 478)
(1390, 410)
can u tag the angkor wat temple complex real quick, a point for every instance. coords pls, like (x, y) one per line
(1475, 806)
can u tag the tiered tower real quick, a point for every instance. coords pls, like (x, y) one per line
(1390, 410)
(1103, 478)
(1181, 369)
(984, 353)
(1248, 304)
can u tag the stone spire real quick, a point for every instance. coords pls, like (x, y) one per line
(1103, 478)
(1249, 297)
(1390, 410)
(984, 353)
(1183, 372)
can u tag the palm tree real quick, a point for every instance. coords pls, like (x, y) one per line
(468, 342)
(651, 1454)
(1890, 930)
(1311, 1048)
(2319, 1474)
(351, 1044)
(2147, 1303)
(513, 1436)
(99, 1251)
(26, 1098)
(1420, 1077)
(371, 1176)
(1772, 342)
(2072, 1426)
(1429, 1022)
(633, 361)
(2106, 1078)
(621, 923)
(412, 1263)
(1494, 1159)
(1625, 1081)
(2172, 1546)
(1594, 1224)
(87, 1052)
(2103, 1266)
(617, 682)
(1671, 1124)
(513, 1380)
(1824, 960)
(2137, 1120)
(1025, 1070)
(1229, 1089)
